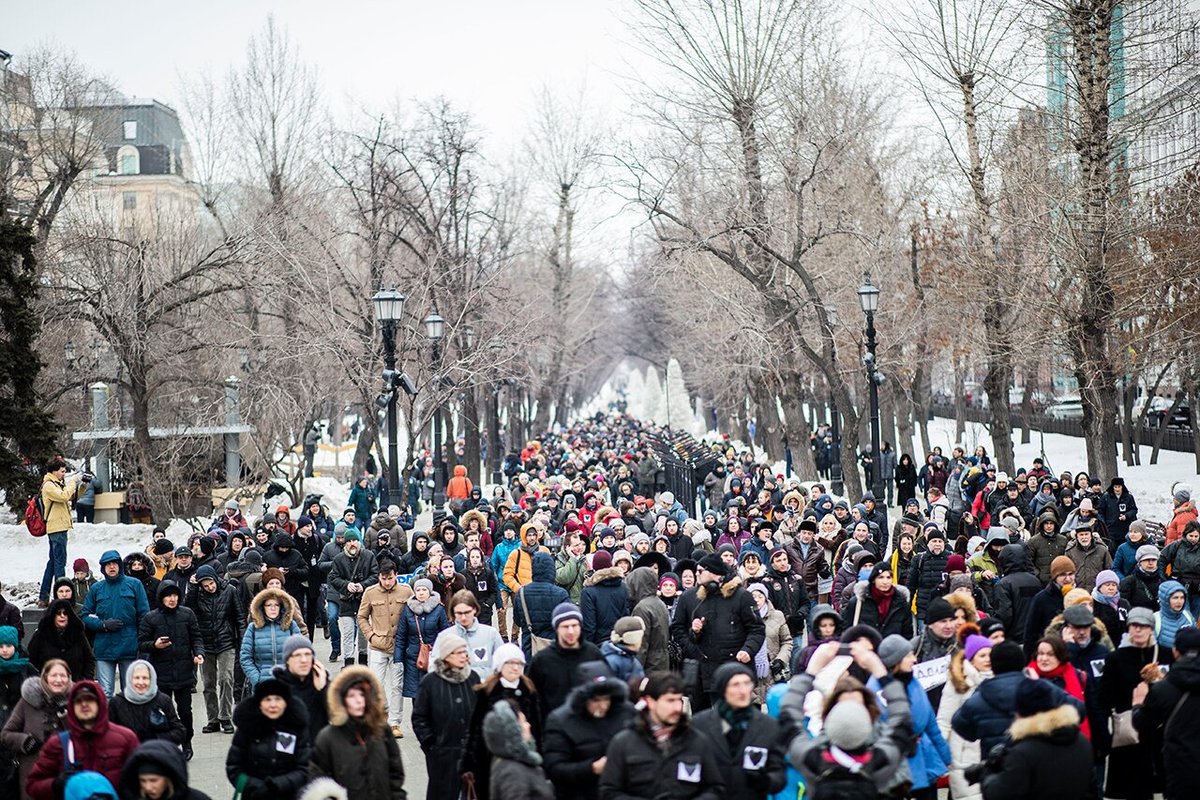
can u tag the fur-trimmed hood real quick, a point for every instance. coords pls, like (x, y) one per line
(324, 789)
(966, 602)
(34, 693)
(502, 733)
(903, 595)
(375, 719)
(963, 674)
(287, 609)
(473, 514)
(604, 575)
(727, 588)
(1046, 723)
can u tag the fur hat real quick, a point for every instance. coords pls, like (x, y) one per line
(1007, 657)
(628, 631)
(1034, 697)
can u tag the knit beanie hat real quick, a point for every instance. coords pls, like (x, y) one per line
(956, 563)
(81, 565)
(1061, 565)
(713, 563)
(352, 535)
(856, 632)
(1106, 576)
(419, 582)
(565, 612)
(1034, 697)
(893, 649)
(1137, 526)
(628, 631)
(1007, 657)
(974, 644)
(1182, 495)
(601, 559)
(161, 548)
(961, 582)
(8, 635)
(505, 653)
(938, 610)
(1074, 597)
(726, 672)
(669, 577)
(848, 726)
(758, 587)
(296, 642)
(1147, 551)
(990, 625)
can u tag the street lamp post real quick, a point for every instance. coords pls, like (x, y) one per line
(835, 419)
(389, 308)
(435, 328)
(868, 298)
(494, 446)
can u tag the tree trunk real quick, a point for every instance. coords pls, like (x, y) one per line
(1030, 380)
(770, 427)
(366, 440)
(799, 434)
(904, 420)
(996, 382)
(960, 401)
(469, 419)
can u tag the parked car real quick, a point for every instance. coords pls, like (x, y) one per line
(1181, 418)
(1065, 408)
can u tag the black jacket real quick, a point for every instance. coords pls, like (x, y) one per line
(309, 548)
(789, 596)
(1181, 738)
(284, 555)
(1013, 594)
(753, 765)
(1140, 590)
(1046, 605)
(604, 600)
(218, 617)
(272, 754)
(169, 761)
(71, 644)
(926, 578)
(638, 768)
(441, 713)
(314, 701)
(574, 738)
(555, 671)
(346, 570)
(731, 623)
(155, 719)
(1047, 758)
(899, 617)
(174, 663)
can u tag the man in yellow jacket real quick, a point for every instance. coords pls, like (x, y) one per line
(518, 569)
(57, 492)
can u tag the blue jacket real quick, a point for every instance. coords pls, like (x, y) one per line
(430, 622)
(1125, 560)
(623, 662)
(932, 759)
(795, 781)
(499, 558)
(262, 643)
(541, 595)
(122, 598)
(604, 600)
(363, 502)
(988, 713)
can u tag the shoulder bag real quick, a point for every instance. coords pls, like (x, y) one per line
(536, 643)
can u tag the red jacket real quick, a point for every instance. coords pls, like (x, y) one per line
(104, 749)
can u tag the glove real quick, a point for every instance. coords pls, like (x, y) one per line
(31, 746)
(110, 625)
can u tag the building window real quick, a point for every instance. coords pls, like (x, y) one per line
(129, 200)
(130, 129)
(128, 161)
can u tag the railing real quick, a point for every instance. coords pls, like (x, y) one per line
(684, 462)
(1180, 440)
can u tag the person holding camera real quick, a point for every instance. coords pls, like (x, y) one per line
(1046, 755)
(58, 489)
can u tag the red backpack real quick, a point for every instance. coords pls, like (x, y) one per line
(35, 516)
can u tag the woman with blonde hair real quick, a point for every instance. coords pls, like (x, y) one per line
(40, 714)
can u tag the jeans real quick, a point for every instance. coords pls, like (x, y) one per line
(349, 626)
(312, 608)
(335, 634)
(107, 671)
(391, 678)
(217, 672)
(56, 564)
(182, 695)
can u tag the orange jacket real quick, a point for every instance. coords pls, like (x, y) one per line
(1184, 513)
(459, 487)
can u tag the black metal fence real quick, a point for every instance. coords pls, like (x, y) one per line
(685, 462)
(1181, 440)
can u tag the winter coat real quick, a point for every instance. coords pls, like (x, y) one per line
(1179, 741)
(121, 598)
(35, 719)
(864, 610)
(146, 575)
(284, 555)
(458, 487)
(306, 693)
(604, 601)
(788, 595)
(477, 755)
(361, 755)
(1046, 605)
(622, 662)
(217, 617)
(174, 663)
(485, 587)
(516, 768)
(1125, 559)
(168, 761)
(420, 623)
(273, 755)
(1089, 561)
(362, 500)
(540, 596)
(1112, 508)
(964, 679)
(1140, 589)
(379, 615)
(1044, 548)
(931, 759)
(638, 767)
(574, 739)
(482, 641)
(262, 643)
(1180, 517)
(499, 558)
(845, 577)
(652, 611)
(556, 670)
(811, 568)
(70, 644)
(1013, 596)
(731, 624)
(154, 719)
(104, 749)
(1048, 758)
(56, 503)
(440, 717)
(987, 714)
(570, 573)
(760, 745)
(346, 570)
(1166, 621)
(927, 577)
(1181, 561)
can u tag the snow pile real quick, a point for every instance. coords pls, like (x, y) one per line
(25, 556)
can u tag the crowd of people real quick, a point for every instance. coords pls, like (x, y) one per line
(580, 632)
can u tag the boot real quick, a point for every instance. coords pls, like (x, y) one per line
(349, 662)
(362, 659)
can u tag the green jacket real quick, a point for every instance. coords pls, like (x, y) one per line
(569, 573)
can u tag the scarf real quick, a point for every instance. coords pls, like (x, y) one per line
(1069, 678)
(1100, 597)
(18, 663)
(451, 675)
(662, 734)
(762, 665)
(738, 719)
(883, 600)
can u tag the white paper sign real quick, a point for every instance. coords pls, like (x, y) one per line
(932, 674)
